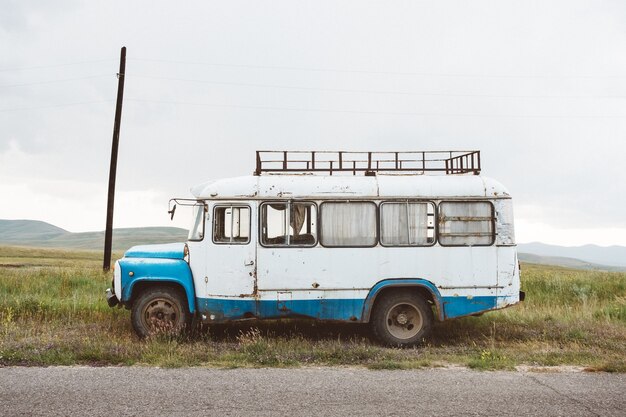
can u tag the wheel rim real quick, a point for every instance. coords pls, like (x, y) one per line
(404, 321)
(161, 314)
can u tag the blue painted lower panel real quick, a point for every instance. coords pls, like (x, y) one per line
(465, 306)
(323, 309)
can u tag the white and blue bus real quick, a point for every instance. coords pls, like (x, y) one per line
(397, 240)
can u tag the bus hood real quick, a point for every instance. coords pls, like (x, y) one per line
(165, 251)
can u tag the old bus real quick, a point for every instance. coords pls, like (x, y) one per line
(397, 240)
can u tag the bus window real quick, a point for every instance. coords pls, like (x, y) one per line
(466, 223)
(196, 232)
(407, 224)
(348, 224)
(288, 224)
(231, 224)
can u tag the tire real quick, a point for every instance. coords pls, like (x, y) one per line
(160, 310)
(401, 319)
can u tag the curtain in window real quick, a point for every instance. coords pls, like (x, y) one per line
(298, 214)
(404, 223)
(393, 224)
(418, 223)
(348, 224)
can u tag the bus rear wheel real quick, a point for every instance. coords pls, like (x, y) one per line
(160, 310)
(401, 319)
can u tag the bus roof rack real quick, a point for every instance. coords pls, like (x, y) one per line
(368, 163)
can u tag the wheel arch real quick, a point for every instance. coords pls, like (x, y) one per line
(140, 285)
(423, 287)
(137, 274)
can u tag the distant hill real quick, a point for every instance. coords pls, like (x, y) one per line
(566, 262)
(610, 255)
(42, 234)
(24, 231)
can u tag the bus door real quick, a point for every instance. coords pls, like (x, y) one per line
(231, 250)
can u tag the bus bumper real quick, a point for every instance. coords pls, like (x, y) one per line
(112, 300)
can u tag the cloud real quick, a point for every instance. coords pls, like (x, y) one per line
(527, 232)
(537, 86)
(78, 206)
(19, 16)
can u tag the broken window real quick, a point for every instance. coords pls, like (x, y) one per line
(407, 224)
(231, 224)
(288, 224)
(348, 224)
(466, 223)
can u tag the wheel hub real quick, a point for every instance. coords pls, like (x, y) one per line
(161, 315)
(404, 321)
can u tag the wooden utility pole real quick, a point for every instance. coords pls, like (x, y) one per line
(108, 234)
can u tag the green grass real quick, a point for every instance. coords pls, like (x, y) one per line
(52, 312)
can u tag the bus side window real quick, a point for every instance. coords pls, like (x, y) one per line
(231, 224)
(348, 224)
(407, 223)
(466, 223)
(288, 224)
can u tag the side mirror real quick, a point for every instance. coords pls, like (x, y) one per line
(172, 211)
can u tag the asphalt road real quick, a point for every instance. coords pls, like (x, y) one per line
(135, 391)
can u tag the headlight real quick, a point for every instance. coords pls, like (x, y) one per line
(186, 254)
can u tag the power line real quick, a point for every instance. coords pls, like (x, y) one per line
(54, 65)
(348, 111)
(64, 80)
(321, 110)
(55, 105)
(362, 71)
(347, 90)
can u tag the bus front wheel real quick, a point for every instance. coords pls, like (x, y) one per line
(160, 309)
(401, 319)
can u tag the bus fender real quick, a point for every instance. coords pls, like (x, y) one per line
(401, 283)
(154, 270)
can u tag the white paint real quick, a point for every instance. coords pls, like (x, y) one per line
(223, 271)
(335, 269)
(311, 186)
(117, 280)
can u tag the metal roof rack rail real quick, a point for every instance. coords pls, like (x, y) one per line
(368, 163)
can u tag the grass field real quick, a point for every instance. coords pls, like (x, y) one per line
(53, 312)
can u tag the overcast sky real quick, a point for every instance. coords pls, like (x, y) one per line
(538, 86)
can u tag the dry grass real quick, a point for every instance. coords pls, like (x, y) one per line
(52, 312)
